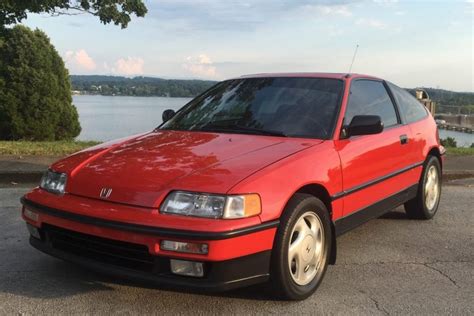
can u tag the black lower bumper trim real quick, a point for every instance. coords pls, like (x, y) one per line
(219, 276)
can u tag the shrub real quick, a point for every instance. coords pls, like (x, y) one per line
(35, 92)
(449, 142)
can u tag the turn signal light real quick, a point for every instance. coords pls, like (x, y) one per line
(30, 214)
(185, 247)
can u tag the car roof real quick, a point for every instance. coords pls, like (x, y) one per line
(328, 75)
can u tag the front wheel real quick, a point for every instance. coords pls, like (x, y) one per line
(301, 249)
(425, 204)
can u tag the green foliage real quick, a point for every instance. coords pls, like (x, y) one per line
(449, 142)
(450, 101)
(139, 86)
(56, 148)
(460, 151)
(35, 97)
(115, 11)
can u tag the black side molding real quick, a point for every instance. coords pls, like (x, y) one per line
(148, 230)
(375, 210)
(375, 181)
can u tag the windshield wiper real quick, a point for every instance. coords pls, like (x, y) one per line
(235, 128)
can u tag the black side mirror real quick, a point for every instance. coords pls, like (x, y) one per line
(364, 125)
(167, 115)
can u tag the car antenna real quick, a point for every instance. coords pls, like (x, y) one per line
(353, 58)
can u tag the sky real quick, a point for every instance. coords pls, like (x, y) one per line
(411, 43)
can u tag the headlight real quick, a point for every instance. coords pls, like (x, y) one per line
(211, 205)
(54, 182)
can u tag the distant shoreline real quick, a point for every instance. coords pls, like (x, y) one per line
(129, 95)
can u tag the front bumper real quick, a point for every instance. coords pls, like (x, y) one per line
(219, 276)
(236, 258)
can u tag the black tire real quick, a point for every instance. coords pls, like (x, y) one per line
(283, 284)
(417, 208)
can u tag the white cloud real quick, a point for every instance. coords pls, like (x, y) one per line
(201, 66)
(371, 23)
(400, 13)
(79, 61)
(385, 1)
(341, 10)
(128, 66)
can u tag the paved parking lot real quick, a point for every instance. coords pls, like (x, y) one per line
(391, 265)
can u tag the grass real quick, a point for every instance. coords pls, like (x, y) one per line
(460, 151)
(53, 148)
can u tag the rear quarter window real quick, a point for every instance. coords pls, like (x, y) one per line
(411, 109)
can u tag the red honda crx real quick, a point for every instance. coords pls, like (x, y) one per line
(252, 181)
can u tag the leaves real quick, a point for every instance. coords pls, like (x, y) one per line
(108, 11)
(35, 99)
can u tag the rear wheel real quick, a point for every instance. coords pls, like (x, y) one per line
(301, 250)
(425, 204)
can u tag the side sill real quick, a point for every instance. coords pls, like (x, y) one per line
(375, 210)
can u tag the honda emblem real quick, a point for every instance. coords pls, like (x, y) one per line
(105, 193)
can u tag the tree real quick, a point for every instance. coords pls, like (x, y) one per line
(35, 92)
(116, 11)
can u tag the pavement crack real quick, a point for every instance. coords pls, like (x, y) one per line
(442, 273)
(376, 304)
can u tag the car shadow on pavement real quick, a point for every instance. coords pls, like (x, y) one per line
(50, 278)
(395, 214)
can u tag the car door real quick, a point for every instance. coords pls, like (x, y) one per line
(373, 166)
(413, 114)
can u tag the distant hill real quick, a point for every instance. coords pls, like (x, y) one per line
(446, 97)
(150, 86)
(138, 86)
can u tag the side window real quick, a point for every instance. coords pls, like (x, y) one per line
(368, 97)
(412, 110)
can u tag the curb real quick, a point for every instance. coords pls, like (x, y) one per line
(456, 175)
(21, 177)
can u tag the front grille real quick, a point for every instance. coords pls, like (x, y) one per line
(118, 253)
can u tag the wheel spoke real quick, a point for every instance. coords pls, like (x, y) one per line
(300, 267)
(295, 246)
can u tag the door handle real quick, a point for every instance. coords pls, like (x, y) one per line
(403, 139)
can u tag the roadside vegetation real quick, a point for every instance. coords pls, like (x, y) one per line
(460, 151)
(138, 86)
(52, 148)
(35, 88)
(452, 148)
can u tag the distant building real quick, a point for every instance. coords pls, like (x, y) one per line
(423, 96)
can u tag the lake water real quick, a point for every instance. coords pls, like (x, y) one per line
(105, 117)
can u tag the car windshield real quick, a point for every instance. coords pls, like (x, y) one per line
(290, 107)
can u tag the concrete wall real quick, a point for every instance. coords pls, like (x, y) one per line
(462, 120)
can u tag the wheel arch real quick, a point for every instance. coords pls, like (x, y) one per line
(319, 191)
(436, 153)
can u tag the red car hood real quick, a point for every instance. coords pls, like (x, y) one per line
(142, 170)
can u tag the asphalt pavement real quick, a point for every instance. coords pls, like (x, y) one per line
(389, 266)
